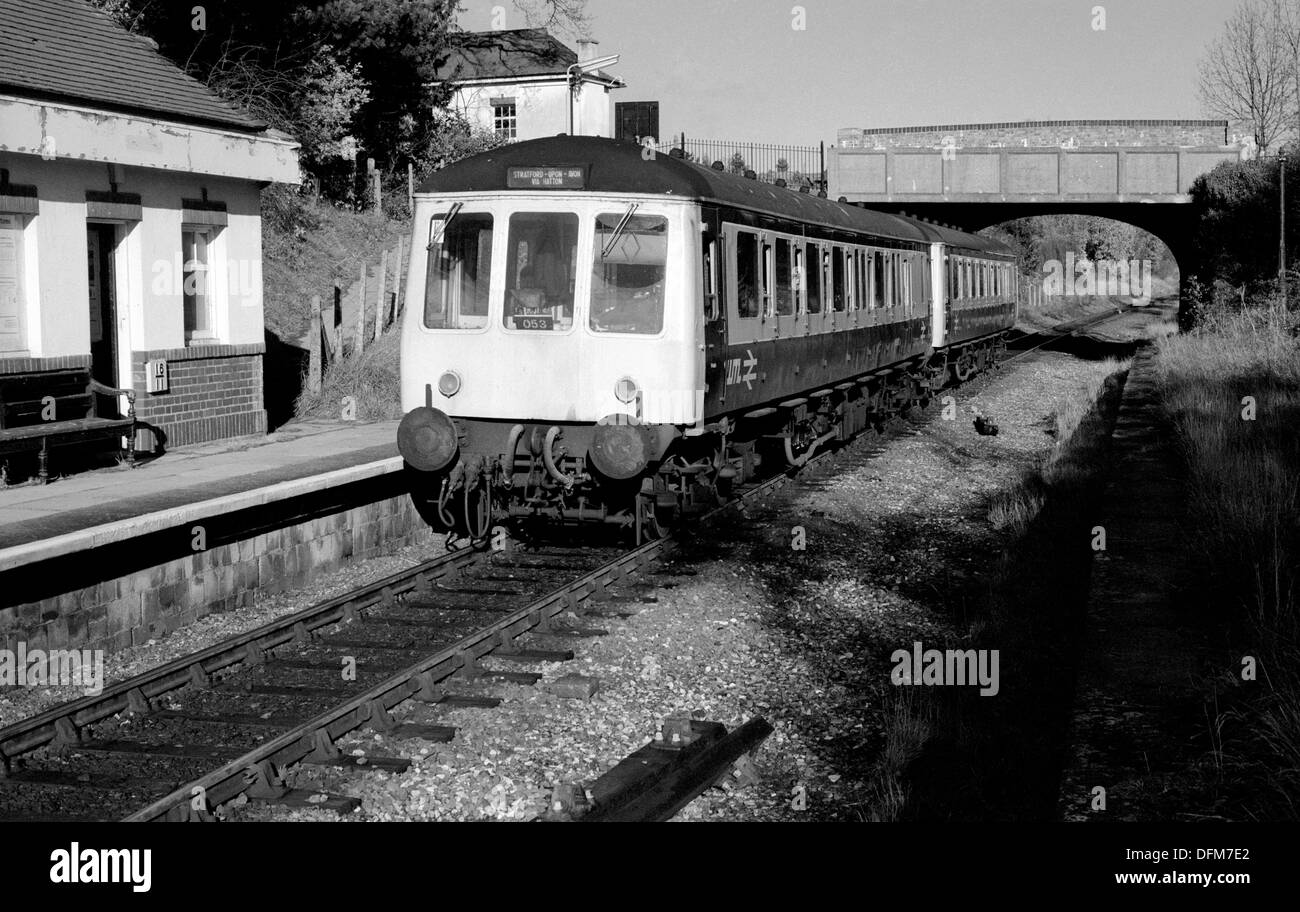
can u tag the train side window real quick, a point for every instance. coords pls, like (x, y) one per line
(861, 281)
(712, 287)
(747, 279)
(837, 280)
(784, 287)
(851, 301)
(878, 279)
(458, 277)
(768, 279)
(812, 280)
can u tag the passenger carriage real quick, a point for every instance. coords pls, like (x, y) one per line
(597, 333)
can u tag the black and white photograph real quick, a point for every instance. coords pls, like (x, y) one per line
(876, 415)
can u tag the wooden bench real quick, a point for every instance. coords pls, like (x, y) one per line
(53, 408)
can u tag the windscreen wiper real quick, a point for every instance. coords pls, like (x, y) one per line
(451, 214)
(619, 229)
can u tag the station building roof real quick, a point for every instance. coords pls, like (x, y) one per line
(508, 54)
(618, 166)
(66, 51)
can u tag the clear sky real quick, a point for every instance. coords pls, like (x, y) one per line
(736, 69)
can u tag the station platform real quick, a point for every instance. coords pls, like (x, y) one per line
(189, 484)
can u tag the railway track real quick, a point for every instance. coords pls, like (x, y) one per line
(225, 723)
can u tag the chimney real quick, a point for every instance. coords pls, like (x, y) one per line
(586, 48)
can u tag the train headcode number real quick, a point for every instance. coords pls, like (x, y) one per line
(534, 322)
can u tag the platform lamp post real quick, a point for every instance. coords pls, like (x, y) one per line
(1282, 226)
(577, 70)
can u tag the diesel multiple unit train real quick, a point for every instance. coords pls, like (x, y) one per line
(598, 334)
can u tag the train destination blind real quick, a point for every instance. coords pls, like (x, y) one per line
(547, 177)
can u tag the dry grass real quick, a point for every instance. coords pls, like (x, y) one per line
(1016, 508)
(370, 380)
(1232, 390)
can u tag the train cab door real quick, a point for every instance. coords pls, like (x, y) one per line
(713, 260)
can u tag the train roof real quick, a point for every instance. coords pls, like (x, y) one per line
(617, 166)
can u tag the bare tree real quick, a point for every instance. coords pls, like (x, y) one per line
(564, 17)
(1288, 16)
(1244, 73)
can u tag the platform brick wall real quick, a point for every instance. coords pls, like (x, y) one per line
(1043, 133)
(147, 604)
(214, 391)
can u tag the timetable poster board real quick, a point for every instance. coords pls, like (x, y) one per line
(11, 336)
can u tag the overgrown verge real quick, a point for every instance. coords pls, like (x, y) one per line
(999, 757)
(308, 245)
(1232, 391)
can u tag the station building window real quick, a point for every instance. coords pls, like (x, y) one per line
(630, 259)
(197, 269)
(458, 276)
(504, 118)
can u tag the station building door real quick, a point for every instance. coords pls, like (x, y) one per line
(101, 244)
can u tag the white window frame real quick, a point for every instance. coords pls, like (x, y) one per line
(214, 291)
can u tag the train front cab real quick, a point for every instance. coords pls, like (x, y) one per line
(550, 310)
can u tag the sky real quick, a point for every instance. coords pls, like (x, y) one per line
(739, 70)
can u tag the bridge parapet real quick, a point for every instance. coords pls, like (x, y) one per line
(1021, 174)
(1071, 133)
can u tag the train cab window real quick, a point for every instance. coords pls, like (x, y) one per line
(457, 280)
(784, 287)
(629, 261)
(541, 253)
(812, 280)
(838, 294)
(747, 284)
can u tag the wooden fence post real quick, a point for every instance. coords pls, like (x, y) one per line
(361, 314)
(398, 284)
(410, 186)
(314, 363)
(380, 309)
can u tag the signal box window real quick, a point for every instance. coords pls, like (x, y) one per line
(813, 279)
(540, 258)
(747, 290)
(504, 120)
(457, 281)
(629, 259)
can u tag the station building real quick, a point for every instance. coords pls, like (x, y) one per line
(515, 83)
(130, 230)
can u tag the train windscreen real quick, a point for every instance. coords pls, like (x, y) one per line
(457, 281)
(541, 254)
(629, 262)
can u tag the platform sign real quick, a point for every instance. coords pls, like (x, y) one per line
(547, 177)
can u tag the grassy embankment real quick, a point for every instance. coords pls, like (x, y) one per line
(308, 245)
(1244, 501)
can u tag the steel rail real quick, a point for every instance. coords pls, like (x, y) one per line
(60, 723)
